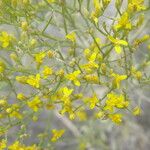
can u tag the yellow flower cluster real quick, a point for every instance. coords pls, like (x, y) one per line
(84, 69)
(16, 146)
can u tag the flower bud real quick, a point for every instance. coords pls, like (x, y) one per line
(24, 26)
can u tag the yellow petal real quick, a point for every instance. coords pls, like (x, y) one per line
(118, 49)
(76, 82)
(122, 42)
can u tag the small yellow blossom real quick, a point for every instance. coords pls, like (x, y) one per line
(97, 11)
(136, 5)
(117, 44)
(141, 40)
(91, 65)
(47, 71)
(21, 79)
(117, 78)
(57, 134)
(71, 36)
(100, 114)
(123, 22)
(3, 102)
(5, 39)
(13, 111)
(92, 101)
(67, 92)
(39, 57)
(138, 75)
(35, 104)
(3, 144)
(34, 80)
(92, 78)
(21, 96)
(136, 111)
(115, 101)
(116, 118)
(74, 77)
(18, 146)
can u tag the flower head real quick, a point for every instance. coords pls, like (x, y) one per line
(57, 134)
(35, 104)
(92, 101)
(123, 22)
(71, 36)
(34, 80)
(47, 71)
(116, 118)
(117, 44)
(39, 57)
(117, 78)
(74, 77)
(136, 111)
(5, 39)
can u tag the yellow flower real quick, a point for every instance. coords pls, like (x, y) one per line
(5, 38)
(123, 22)
(92, 78)
(97, 11)
(3, 144)
(136, 111)
(34, 80)
(18, 146)
(74, 77)
(65, 95)
(21, 79)
(115, 101)
(92, 101)
(67, 92)
(116, 118)
(13, 111)
(117, 78)
(135, 73)
(141, 40)
(47, 71)
(71, 36)
(39, 57)
(57, 134)
(35, 104)
(136, 5)
(117, 44)
(100, 114)
(21, 96)
(91, 65)
(15, 146)
(3, 102)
